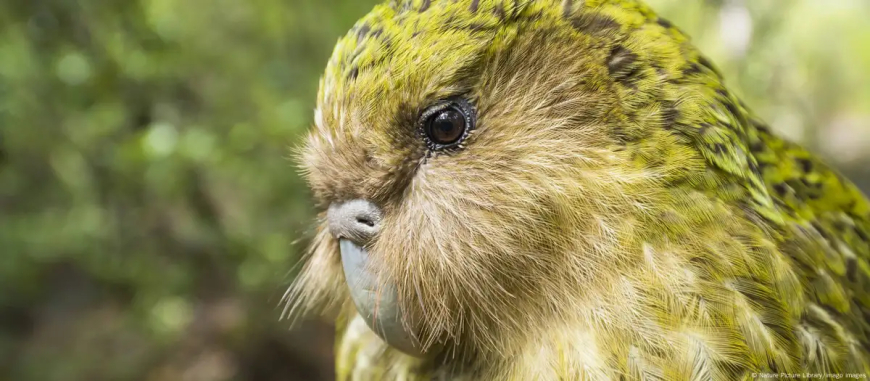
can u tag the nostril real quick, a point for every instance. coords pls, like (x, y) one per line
(357, 220)
(365, 221)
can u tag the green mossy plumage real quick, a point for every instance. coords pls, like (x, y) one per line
(617, 214)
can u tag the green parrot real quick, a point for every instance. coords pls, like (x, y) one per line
(566, 190)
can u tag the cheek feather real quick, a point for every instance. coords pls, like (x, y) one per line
(320, 286)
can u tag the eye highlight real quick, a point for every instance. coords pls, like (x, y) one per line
(446, 125)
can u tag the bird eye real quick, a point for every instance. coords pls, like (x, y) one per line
(446, 124)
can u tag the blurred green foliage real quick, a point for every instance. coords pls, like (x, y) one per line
(149, 209)
(150, 216)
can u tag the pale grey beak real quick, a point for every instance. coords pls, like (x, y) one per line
(378, 306)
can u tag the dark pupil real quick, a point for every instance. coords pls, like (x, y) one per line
(446, 127)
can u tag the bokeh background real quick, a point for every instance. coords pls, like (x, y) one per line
(150, 217)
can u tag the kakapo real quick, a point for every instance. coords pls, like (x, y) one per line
(567, 190)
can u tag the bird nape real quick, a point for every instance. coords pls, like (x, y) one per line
(556, 189)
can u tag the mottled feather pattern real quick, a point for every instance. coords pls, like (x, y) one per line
(617, 214)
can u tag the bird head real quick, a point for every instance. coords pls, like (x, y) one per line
(485, 167)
